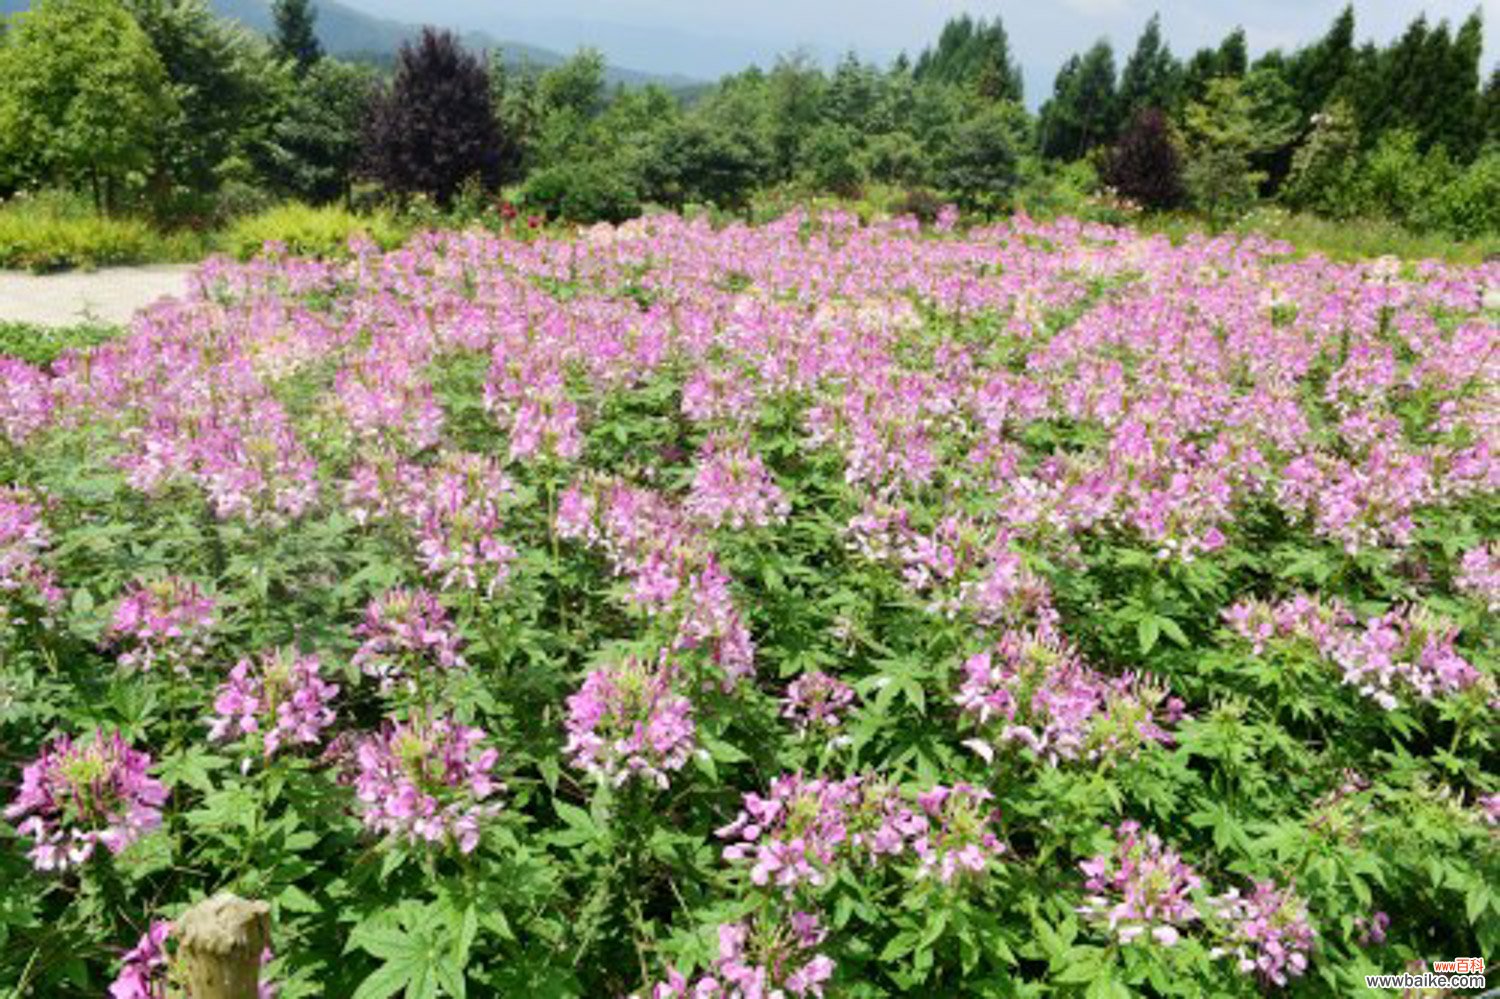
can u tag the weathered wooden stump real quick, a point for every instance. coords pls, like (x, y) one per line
(219, 944)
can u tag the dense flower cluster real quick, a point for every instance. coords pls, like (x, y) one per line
(82, 794)
(957, 840)
(427, 781)
(279, 696)
(1267, 931)
(731, 487)
(164, 621)
(1479, 575)
(759, 959)
(1033, 691)
(1406, 653)
(1141, 888)
(24, 538)
(405, 632)
(628, 721)
(815, 702)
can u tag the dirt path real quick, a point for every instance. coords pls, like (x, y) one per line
(111, 295)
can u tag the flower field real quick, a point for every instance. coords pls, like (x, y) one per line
(816, 609)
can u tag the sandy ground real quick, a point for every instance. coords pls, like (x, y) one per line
(110, 295)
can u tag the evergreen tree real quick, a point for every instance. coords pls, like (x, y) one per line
(1151, 74)
(434, 128)
(975, 54)
(314, 146)
(294, 39)
(1083, 110)
(980, 164)
(1320, 70)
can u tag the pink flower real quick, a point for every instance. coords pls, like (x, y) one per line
(1141, 889)
(627, 721)
(427, 781)
(24, 540)
(79, 795)
(731, 487)
(1267, 932)
(280, 696)
(166, 620)
(406, 632)
(814, 702)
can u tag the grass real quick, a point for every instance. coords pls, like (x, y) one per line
(44, 344)
(1353, 239)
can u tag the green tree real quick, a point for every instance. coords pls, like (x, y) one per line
(84, 97)
(295, 38)
(314, 146)
(228, 91)
(1324, 167)
(1083, 111)
(973, 54)
(1151, 75)
(1320, 71)
(980, 164)
(1222, 137)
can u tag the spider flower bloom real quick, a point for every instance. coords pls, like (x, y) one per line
(1479, 575)
(732, 487)
(1408, 652)
(280, 696)
(1034, 691)
(405, 631)
(1141, 888)
(145, 972)
(795, 833)
(758, 959)
(1268, 931)
(958, 840)
(429, 781)
(23, 539)
(815, 701)
(25, 400)
(628, 721)
(165, 620)
(81, 794)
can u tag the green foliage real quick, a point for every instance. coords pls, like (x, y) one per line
(84, 99)
(1324, 168)
(305, 230)
(974, 54)
(1083, 111)
(295, 39)
(831, 160)
(980, 164)
(45, 344)
(1223, 134)
(57, 232)
(314, 145)
(583, 191)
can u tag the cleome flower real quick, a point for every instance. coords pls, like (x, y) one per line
(1267, 932)
(405, 632)
(758, 958)
(627, 721)
(80, 795)
(279, 696)
(166, 621)
(428, 781)
(1141, 889)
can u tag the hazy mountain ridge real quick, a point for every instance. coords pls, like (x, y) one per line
(347, 32)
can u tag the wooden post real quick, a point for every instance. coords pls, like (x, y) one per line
(220, 941)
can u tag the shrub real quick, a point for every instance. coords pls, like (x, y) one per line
(583, 192)
(1145, 165)
(1469, 206)
(1324, 167)
(980, 164)
(57, 233)
(308, 231)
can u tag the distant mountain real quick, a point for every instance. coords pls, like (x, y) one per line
(350, 33)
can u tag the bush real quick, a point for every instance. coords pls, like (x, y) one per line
(981, 162)
(583, 192)
(308, 231)
(1469, 206)
(55, 232)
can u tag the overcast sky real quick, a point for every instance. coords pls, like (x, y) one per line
(707, 38)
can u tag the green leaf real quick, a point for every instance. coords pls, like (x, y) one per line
(1147, 631)
(386, 981)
